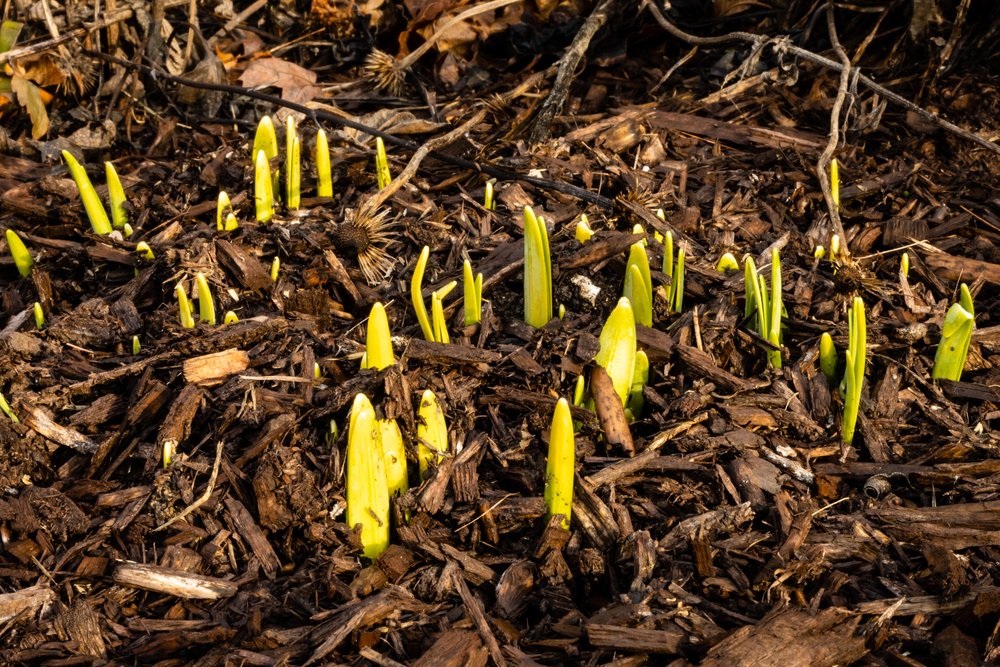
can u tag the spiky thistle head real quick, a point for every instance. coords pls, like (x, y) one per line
(366, 234)
(385, 71)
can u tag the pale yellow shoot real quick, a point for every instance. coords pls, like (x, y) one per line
(39, 316)
(378, 344)
(432, 432)
(367, 488)
(184, 307)
(293, 165)
(324, 180)
(206, 305)
(583, 230)
(88, 195)
(617, 351)
(19, 251)
(560, 466)
(382, 164)
(116, 195)
(417, 294)
(263, 190)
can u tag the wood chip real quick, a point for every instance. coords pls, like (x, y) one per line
(173, 582)
(210, 369)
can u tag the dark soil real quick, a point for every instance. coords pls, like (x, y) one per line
(740, 531)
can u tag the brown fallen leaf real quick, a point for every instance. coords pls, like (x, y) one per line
(297, 84)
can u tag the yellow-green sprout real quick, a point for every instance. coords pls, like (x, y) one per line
(417, 294)
(225, 219)
(638, 286)
(367, 487)
(88, 195)
(727, 263)
(5, 408)
(127, 230)
(472, 300)
(956, 335)
(324, 181)
(266, 139)
(562, 311)
(668, 267)
(293, 165)
(395, 457)
(617, 351)
(854, 376)
(136, 346)
(579, 391)
(169, 447)
(39, 316)
(560, 465)
(230, 318)
(834, 247)
(677, 284)
(275, 268)
(835, 182)
(19, 251)
(537, 271)
(432, 432)
(766, 311)
(488, 202)
(640, 376)
(378, 343)
(819, 252)
(184, 307)
(263, 189)
(583, 231)
(143, 250)
(206, 305)
(828, 358)
(904, 265)
(116, 196)
(382, 164)
(439, 324)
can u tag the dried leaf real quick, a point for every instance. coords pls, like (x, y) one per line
(297, 84)
(30, 97)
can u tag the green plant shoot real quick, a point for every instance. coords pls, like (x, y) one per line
(206, 305)
(324, 180)
(904, 265)
(225, 218)
(432, 433)
(560, 466)
(378, 344)
(19, 251)
(230, 318)
(765, 310)
(5, 408)
(382, 164)
(583, 230)
(472, 300)
(88, 195)
(956, 335)
(266, 139)
(537, 271)
(116, 196)
(828, 358)
(184, 307)
(395, 457)
(640, 376)
(639, 285)
(727, 263)
(263, 189)
(675, 271)
(144, 252)
(617, 351)
(438, 322)
(39, 316)
(488, 203)
(275, 268)
(417, 294)
(854, 377)
(136, 346)
(293, 165)
(367, 486)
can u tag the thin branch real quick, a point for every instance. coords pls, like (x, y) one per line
(823, 163)
(783, 44)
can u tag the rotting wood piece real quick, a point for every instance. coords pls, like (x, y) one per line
(173, 582)
(242, 266)
(38, 421)
(639, 640)
(176, 426)
(244, 524)
(793, 638)
(448, 353)
(24, 600)
(455, 648)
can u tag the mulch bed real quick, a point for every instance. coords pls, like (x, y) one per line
(740, 530)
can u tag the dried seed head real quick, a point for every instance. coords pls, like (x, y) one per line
(366, 235)
(387, 73)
